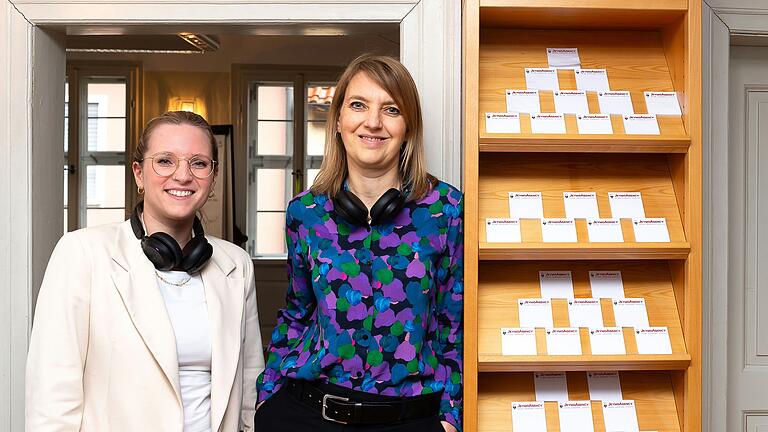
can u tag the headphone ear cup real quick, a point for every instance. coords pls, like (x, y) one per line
(349, 207)
(162, 250)
(387, 206)
(195, 254)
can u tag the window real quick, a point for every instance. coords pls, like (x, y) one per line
(285, 117)
(270, 130)
(98, 111)
(319, 97)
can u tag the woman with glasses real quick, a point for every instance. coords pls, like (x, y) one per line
(149, 324)
(371, 335)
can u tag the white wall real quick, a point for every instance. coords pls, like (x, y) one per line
(287, 50)
(15, 207)
(30, 191)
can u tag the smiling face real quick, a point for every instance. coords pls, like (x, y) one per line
(371, 126)
(174, 199)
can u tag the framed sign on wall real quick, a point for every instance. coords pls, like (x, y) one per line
(218, 211)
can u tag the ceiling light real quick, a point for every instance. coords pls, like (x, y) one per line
(201, 41)
(131, 51)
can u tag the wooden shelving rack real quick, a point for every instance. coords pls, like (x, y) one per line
(645, 45)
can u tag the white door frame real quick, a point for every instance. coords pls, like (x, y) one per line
(31, 121)
(720, 20)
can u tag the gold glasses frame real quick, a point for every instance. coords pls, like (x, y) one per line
(178, 163)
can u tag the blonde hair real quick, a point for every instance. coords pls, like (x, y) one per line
(394, 78)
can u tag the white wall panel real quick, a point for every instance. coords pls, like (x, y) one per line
(15, 212)
(756, 253)
(756, 422)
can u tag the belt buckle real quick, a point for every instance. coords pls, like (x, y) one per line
(325, 406)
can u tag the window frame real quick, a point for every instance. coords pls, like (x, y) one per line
(300, 76)
(77, 71)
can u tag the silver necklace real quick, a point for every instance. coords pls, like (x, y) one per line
(178, 284)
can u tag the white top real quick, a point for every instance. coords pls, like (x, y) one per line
(188, 312)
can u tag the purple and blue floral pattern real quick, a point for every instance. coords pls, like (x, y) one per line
(375, 309)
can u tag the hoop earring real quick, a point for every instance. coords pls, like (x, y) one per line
(140, 190)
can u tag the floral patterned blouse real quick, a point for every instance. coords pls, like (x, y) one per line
(375, 309)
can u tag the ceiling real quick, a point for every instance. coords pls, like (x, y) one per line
(166, 38)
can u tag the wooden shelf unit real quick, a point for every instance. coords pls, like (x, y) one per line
(652, 392)
(501, 284)
(645, 45)
(641, 68)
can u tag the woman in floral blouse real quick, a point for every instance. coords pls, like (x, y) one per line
(371, 335)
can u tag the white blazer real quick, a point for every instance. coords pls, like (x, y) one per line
(102, 355)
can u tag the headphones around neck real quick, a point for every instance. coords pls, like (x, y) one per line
(165, 253)
(349, 206)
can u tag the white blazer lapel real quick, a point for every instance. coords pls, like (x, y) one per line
(135, 280)
(224, 295)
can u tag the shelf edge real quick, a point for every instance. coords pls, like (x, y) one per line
(497, 363)
(674, 251)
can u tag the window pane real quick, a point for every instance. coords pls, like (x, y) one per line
(106, 134)
(311, 174)
(106, 186)
(66, 134)
(315, 138)
(66, 117)
(270, 232)
(66, 185)
(274, 138)
(96, 217)
(320, 94)
(317, 112)
(275, 101)
(108, 97)
(319, 98)
(271, 185)
(66, 196)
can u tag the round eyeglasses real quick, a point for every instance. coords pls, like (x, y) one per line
(166, 164)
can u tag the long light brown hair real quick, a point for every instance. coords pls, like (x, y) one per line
(395, 79)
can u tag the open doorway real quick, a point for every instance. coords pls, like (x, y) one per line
(269, 87)
(32, 124)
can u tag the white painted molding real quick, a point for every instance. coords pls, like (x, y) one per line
(715, 66)
(741, 16)
(746, 24)
(734, 5)
(222, 12)
(720, 20)
(331, 3)
(15, 212)
(436, 67)
(47, 153)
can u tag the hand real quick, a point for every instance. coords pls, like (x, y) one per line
(448, 427)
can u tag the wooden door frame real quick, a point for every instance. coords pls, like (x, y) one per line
(32, 61)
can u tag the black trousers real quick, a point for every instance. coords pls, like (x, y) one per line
(283, 412)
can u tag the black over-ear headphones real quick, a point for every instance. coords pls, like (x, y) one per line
(349, 207)
(163, 251)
